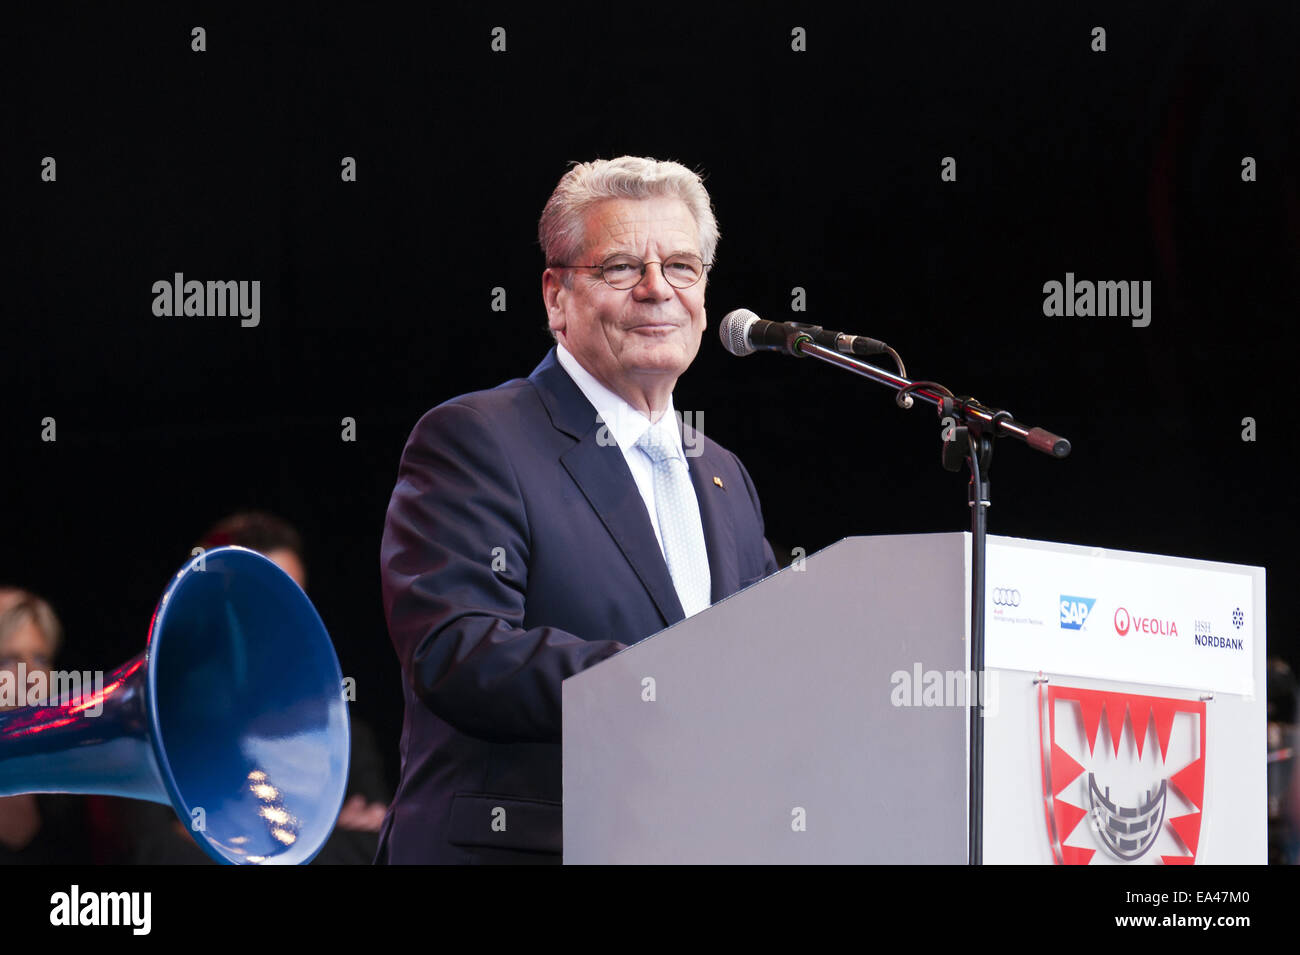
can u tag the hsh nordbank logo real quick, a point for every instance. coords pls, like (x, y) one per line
(1124, 622)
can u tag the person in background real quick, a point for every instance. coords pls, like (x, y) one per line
(36, 828)
(1283, 790)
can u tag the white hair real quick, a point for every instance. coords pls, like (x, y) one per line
(562, 229)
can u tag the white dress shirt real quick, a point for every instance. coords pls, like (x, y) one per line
(625, 426)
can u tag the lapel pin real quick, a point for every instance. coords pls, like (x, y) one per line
(718, 481)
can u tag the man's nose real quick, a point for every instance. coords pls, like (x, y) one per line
(653, 285)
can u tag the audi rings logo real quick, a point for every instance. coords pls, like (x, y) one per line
(1006, 597)
(1121, 621)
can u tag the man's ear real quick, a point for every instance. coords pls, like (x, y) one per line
(553, 291)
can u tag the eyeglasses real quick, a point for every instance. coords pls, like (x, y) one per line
(627, 271)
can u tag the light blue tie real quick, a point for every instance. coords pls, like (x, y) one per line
(684, 550)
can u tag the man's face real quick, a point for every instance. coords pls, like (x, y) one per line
(630, 339)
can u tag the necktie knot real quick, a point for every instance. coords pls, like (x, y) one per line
(657, 446)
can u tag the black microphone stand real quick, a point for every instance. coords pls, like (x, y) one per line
(972, 441)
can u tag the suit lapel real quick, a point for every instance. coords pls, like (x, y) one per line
(603, 476)
(719, 535)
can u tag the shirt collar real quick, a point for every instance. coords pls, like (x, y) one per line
(625, 423)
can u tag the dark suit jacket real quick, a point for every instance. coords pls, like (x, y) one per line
(517, 552)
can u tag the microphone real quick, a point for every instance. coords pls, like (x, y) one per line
(743, 333)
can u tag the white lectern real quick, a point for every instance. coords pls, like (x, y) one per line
(819, 716)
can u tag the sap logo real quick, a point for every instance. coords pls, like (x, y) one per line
(1074, 611)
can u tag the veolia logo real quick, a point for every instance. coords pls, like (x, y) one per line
(1121, 621)
(1152, 625)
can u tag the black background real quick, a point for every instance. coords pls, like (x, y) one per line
(824, 171)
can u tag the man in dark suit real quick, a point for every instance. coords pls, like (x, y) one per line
(542, 526)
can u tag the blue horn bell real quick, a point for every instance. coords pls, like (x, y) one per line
(233, 715)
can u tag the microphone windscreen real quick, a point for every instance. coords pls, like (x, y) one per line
(734, 332)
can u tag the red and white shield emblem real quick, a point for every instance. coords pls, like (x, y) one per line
(1141, 802)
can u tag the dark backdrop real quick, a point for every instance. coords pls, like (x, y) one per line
(824, 169)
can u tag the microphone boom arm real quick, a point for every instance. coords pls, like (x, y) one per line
(975, 414)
